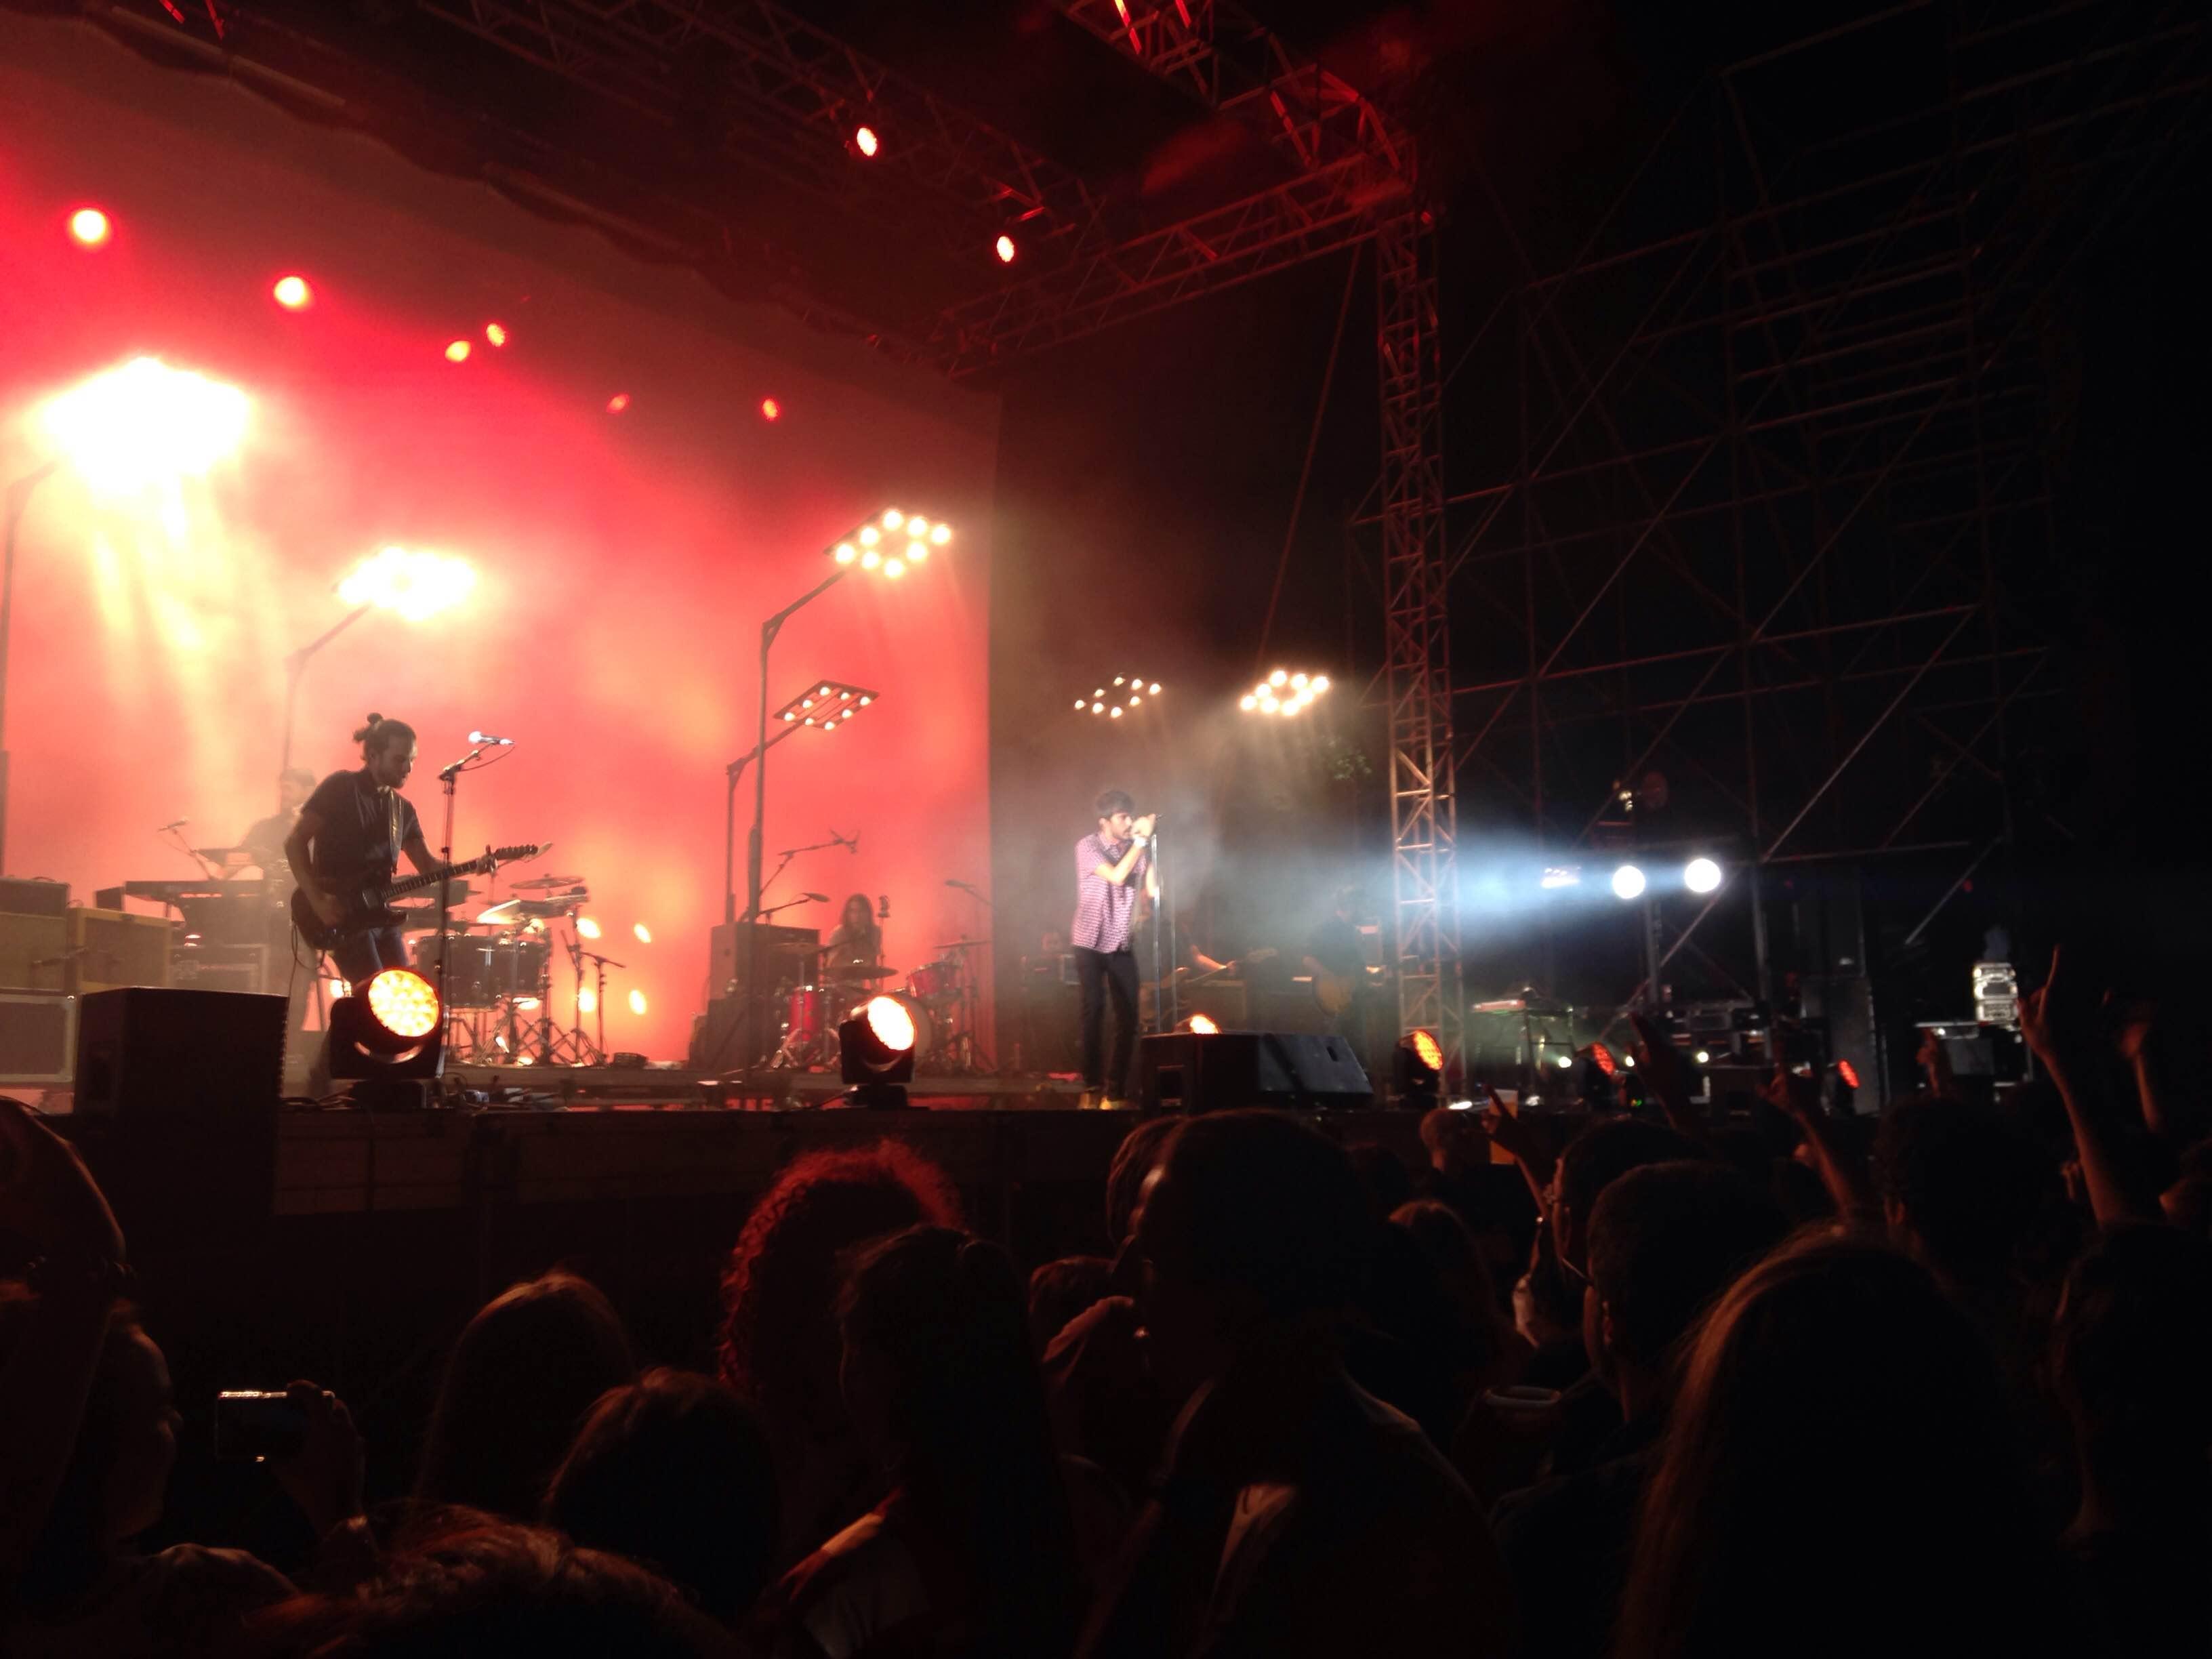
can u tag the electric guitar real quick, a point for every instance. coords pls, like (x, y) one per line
(369, 907)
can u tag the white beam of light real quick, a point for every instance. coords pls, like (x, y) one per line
(414, 584)
(145, 423)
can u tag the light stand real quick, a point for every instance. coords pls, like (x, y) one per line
(295, 665)
(18, 500)
(769, 629)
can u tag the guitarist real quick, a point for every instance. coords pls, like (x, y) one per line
(1336, 957)
(351, 835)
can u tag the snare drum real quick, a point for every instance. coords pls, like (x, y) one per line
(484, 969)
(935, 981)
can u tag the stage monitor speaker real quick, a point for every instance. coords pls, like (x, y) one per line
(1182, 1071)
(38, 1038)
(153, 1053)
(1843, 1006)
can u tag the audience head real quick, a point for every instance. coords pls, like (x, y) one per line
(1254, 1226)
(477, 1585)
(1134, 1160)
(1481, 1333)
(1061, 1289)
(1593, 1160)
(1382, 1176)
(780, 1345)
(119, 1471)
(674, 1471)
(1839, 1476)
(2131, 1356)
(941, 1386)
(1962, 1189)
(521, 1379)
(1664, 1241)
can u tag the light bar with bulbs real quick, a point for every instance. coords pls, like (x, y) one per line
(892, 544)
(826, 705)
(1127, 695)
(1284, 692)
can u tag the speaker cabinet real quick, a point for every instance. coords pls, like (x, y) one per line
(110, 948)
(153, 1053)
(1184, 1071)
(38, 1038)
(33, 950)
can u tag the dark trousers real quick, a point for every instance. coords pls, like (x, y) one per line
(1101, 973)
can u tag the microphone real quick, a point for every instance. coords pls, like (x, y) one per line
(883, 906)
(487, 737)
(177, 824)
(816, 898)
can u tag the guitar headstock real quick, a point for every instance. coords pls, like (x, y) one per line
(494, 856)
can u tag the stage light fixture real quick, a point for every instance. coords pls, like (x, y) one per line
(90, 228)
(458, 351)
(494, 334)
(415, 584)
(1201, 1025)
(1559, 876)
(875, 1053)
(1417, 1068)
(1702, 1056)
(869, 536)
(1627, 881)
(1248, 702)
(1629, 1060)
(1098, 707)
(1155, 688)
(1006, 250)
(587, 1002)
(893, 518)
(637, 1002)
(144, 423)
(587, 927)
(1279, 678)
(1701, 875)
(939, 534)
(874, 556)
(865, 141)
(1842, 1089)
(917, 527)
(293, 293)
(1285, 692)
(618, 403)
(870, 559)
(916, 552)
(643, 933)
(1565, 1062)
(894, 568)
(846, 553)
(846, 699)
(392, 1031)
(771, 409)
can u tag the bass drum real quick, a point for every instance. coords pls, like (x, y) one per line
(485, 969)
(925, 1023)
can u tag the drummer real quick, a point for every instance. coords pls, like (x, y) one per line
(858, 942)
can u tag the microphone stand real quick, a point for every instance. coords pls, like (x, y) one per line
(448, 779)
(1164, 921)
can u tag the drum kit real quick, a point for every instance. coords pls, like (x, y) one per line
(498, 986)
(941, 997)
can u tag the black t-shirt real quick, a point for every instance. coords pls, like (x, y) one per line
(265, 840)
(363, 827)
(1339, 946)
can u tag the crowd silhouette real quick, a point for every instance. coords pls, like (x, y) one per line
(1650, 1384)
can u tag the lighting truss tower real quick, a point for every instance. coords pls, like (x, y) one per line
(1417, 634)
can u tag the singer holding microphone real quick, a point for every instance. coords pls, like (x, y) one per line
(1110, 863)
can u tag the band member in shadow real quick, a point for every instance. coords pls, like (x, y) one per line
(1111, 863)
(349, 836)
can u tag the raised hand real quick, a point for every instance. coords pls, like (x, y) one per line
(323, 1477)
(2059, 1016)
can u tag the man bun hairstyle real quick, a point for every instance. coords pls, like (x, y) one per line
(378, 733)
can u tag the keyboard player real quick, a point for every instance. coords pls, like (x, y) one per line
(264, 842)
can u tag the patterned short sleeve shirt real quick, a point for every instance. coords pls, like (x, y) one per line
(1105, 911)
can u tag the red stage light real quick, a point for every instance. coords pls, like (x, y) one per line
(771, 409)
(1848, 1072)
(293, 293)
(89, 226)
(495, 334)
(864, 140)
(618, 403)
(458, 352)
(1004, 246)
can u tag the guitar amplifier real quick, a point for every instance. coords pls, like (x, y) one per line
(33, 948)
(112, 948)
(726, 961)
(38, 1039)
(34, 898)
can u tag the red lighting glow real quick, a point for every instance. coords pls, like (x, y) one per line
(1848, 1072)
(618, 403)
(1005, 245)
(495, 334)
(89, 226)
(771, 409)
(293, 293)
(864, 140)
(458, 352)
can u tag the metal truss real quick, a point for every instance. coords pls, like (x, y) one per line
(1417, 635)
(1777, 488)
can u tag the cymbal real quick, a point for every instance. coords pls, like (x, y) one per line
(505, 911)
(546, 883)
(559, 907)
(965, 944)
(856, 972)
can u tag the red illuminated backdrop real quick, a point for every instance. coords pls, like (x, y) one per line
(624, 559)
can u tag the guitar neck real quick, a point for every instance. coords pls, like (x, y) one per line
(392, 890)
